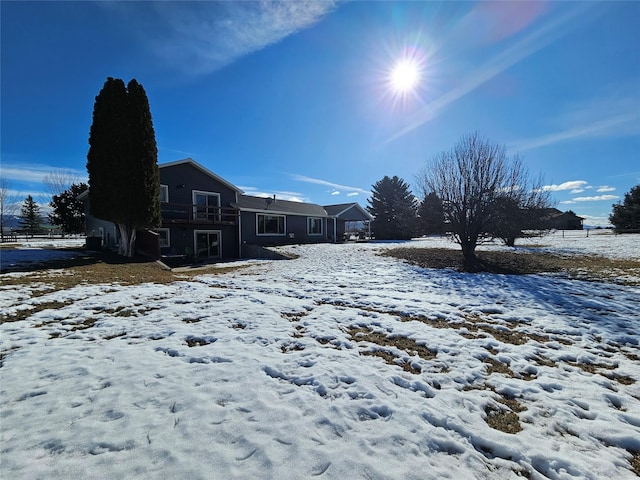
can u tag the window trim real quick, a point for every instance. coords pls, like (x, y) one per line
(165, 189)
(309, 221)
(207, 216)
(168, 232)
(195, 242)
(284, 225)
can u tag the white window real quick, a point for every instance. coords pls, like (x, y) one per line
(207, 243)
(314, 226)
(270, 224)
(164, 194)
(206, 205)
(165, 239)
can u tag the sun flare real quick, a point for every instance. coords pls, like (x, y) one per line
(405, 76)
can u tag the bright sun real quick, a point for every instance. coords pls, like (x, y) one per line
(405, 76)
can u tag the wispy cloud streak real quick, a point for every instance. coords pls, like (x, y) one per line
(544, 35)
(571, 185)
(201, 37)
(613, 118)
(33, 173)
(336, 186)
(597, 198)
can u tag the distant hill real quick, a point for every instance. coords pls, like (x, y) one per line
(10, 221)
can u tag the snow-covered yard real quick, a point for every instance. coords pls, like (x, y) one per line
(338, 364)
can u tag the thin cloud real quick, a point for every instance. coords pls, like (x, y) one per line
(280, 195)
(614, 126)
(201, 37)
(574, 185)
(34, 173)
(596, 220)
(353, 194)
(605, 188)
(547, 33)
(335, 192)
(597, 198)
(335, 186)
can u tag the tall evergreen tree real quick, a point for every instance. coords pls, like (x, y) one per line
(30, 218)
(626, 215)
(68, 211)
(122, 161)
(144, 170)
(393, 207)
(431, 215)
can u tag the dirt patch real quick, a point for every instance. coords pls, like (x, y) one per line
(496, 366)
(635, 462)
(605, 370)
(504, 417)
(408, 345)
(585, 267)
(198, 341)
(104, 267)
(25, 313)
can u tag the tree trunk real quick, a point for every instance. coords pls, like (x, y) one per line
(469, 254)
(127, 240)
(132, 243)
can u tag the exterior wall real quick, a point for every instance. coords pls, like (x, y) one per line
(341, 228)
(95, 227)
(568, 222)
(181, 240)
(182, 180)
(295, 230)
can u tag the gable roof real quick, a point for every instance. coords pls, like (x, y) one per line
(287, 207)
(206, 171)
(348, 211)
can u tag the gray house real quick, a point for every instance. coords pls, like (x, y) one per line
(206, 217)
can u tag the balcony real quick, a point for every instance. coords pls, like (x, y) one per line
(175, 213)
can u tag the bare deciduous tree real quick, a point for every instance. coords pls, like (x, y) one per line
(482, 192)
(9, 204)
(60, 180)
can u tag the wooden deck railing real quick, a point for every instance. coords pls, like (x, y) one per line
(176, 213)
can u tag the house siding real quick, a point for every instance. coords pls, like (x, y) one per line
(182, 180)
(295, 230)
(96, 227)
(226, 225)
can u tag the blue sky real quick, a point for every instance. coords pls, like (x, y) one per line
(294, 99)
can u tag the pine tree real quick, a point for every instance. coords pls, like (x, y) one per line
(393, 207)
(431, 215)
(68, 211)
(626, 215)
(122, 161)
(30, 218)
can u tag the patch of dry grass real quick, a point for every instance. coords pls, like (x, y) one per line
(635, 462)
(585, 267)
(24, 313)
(91, 268)
(360, 334)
